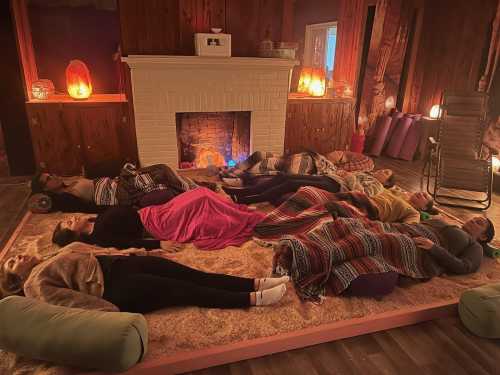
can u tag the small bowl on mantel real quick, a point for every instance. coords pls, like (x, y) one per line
(216, 30)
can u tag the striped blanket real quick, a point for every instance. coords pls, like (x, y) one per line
(268, 163)
(336, 252)
(133, 183)
(307, 208)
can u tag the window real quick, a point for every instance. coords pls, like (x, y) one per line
(319, 49)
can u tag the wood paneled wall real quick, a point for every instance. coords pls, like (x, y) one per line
(13, 118)
(167, 26)
(452, 49)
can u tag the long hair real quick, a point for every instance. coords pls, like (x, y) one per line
(10, 284)
(390, 182)
(490, 233)
(64, 236)
(430, 209)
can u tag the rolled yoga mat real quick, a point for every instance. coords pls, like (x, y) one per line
(380, 133)
(398, 136)
(411, 141)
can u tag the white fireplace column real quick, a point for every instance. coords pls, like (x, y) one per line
(165, 85)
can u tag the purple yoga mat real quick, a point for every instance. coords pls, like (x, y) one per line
(380, 133)
(411, 141)
(398, 137)
(396, 116)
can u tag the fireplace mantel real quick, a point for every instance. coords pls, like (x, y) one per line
(152, 61)
(166, 85)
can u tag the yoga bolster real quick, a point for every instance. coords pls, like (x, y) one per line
(109, 341)
(398, 137)
(479, 310)
(373, 284)
(40, 203)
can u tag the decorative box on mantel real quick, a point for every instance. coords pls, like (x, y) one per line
(164, 86)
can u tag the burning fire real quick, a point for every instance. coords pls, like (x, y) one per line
(208, 157)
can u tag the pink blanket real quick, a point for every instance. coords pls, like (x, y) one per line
(203, 217)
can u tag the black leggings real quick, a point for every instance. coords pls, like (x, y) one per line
(271, 190)
(145, 283)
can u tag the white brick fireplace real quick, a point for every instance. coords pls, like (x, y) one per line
(166, 85)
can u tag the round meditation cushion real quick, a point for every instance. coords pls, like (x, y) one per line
(479, 310)
(109, 341)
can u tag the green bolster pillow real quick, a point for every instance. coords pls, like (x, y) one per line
(109, 341)
(479, 310)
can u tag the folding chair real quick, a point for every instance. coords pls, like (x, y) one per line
(459, 176)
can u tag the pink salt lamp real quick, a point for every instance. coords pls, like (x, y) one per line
(78, 82)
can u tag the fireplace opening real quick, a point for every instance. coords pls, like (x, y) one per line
(212, 138)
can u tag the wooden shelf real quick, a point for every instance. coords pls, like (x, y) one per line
(293, 99)
(96, 98)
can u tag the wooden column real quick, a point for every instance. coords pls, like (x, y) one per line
(25, 44)
(390, 11)
(350, 30)
(287, 21)
(493, 55)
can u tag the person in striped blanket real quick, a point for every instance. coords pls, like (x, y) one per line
(318, 249)
(134, 186)
(337, 252)
(278, 188)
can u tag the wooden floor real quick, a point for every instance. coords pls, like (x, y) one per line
(439, 347)
(14, 192)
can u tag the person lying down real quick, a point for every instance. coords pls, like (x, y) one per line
(337, 252)
(273, 189)
(139, 187)
(110, 280)
(200, 216)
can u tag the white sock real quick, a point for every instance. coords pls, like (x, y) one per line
(270, 296)
(271, 282)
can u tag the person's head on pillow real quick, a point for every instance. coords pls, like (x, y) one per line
(422, 201)
(43, 182)
(14, 272)
(71, 230)
(480, 228)
(385, 176)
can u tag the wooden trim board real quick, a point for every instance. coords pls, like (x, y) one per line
(204, 358)
(14, 235)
